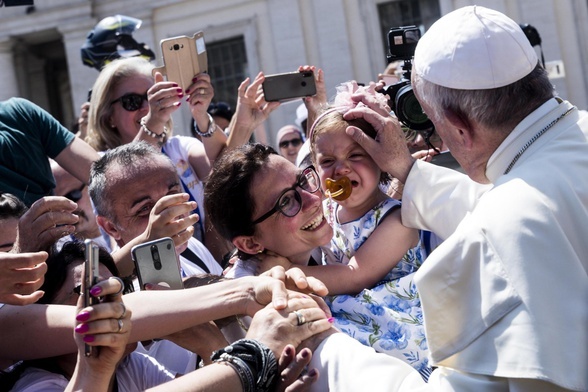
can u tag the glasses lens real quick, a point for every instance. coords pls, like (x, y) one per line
(309, 180)
(75, 195)
(409, 134)
(294, 142)
(290, 203)
(132, 102)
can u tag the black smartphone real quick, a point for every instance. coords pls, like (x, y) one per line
(91, 268)
(288, 86)
(156, 263)
(445, 159)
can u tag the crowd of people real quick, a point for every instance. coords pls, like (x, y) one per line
(341, 260)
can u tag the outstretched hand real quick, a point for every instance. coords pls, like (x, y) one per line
(21, 275)
(48, 219)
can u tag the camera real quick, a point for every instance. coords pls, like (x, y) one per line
(402, 42)
(155, 257)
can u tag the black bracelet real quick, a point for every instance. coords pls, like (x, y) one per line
(211, 128)
(255, 364)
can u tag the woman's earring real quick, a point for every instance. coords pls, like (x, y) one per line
(260, 251)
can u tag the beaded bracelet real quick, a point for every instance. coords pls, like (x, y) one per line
(151, 133)
(255, 364)
(211, 128)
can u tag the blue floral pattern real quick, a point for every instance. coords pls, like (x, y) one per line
(388, 316)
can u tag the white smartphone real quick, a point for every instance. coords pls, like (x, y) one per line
(183, 58)
(91, 269)
(156, 262)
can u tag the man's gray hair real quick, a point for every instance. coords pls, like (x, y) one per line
(129, 156)
(499, 108)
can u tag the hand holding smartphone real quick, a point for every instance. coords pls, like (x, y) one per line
(183, 58)
(91, 269)
(288, 86)
(156, 263)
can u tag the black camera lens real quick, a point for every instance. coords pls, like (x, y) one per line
(409, 110)
(176, 47)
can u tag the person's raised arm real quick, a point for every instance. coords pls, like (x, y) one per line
(317, 102)
(77, 158)
(251, 111)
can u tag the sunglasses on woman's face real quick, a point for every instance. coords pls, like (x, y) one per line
(131, 102)
(293, 142)
(76, 194)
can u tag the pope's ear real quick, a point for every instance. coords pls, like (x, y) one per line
(461, 125)
(247, 244)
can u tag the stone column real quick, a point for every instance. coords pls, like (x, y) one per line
(7, 71)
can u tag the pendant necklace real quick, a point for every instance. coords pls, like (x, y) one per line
(534, 139)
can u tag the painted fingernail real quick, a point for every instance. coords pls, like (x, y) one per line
(174, 84)
(82, 328)
(179, 90)
(96, 290)
(304, 354)
(194, 80)
(84, 316)
(288, 351)
(88, 338)
(331, 320)
(177, 103)
(180, 95)
(311, 373)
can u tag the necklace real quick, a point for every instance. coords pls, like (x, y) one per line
(534, 139)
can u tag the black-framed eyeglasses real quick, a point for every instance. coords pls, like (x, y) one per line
(290, 202)
(76, 194)
(294, 142)
(131, 102)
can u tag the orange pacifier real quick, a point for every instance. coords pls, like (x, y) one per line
(338, 189)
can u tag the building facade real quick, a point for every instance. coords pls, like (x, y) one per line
(40, 44)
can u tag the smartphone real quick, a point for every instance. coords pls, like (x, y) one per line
(156, 263)
(183, 58)
(90, 279)
(445, 159)
(288, 86)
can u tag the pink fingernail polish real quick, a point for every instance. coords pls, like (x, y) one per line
(311, 373)
(84, 316)
(304, 354)
(96, 290)
(194, 80)
(82, 328)
(175, 84)
(179, 90)
(331, 320)
(88, 338)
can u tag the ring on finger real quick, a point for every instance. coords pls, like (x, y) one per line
(122, 286)
(202, 91)
(299, 317)
(120, 325)
(124, 312)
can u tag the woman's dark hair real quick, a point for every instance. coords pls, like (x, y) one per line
(228, 197)
(57, 263)
(11, 206)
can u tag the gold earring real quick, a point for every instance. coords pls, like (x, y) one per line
(260, 251)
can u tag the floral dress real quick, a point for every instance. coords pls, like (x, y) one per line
(388, 316)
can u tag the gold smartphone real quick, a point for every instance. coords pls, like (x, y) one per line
(183, 58)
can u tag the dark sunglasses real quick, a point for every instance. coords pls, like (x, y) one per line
(131, 102)
(76, 194)
(293, 142)
(290, 202)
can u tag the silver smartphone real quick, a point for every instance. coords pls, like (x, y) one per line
(91, 269)
(156, 262)
(288, 86)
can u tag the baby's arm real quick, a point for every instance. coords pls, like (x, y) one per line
(381, 252)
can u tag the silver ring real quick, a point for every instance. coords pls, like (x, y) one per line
(299, 317)
(124, 310)
(120, 325)
(122, 285)
(202, 91)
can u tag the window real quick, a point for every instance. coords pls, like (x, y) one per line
(227, 66)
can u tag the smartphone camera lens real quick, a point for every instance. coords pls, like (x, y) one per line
(155, 257)
(303, 84)
(176, 47)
